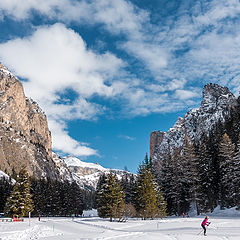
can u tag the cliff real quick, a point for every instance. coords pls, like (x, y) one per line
(25, 140)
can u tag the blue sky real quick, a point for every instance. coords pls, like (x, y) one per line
(107, 73)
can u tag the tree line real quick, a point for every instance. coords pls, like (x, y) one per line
(132, 196)
(44, 197)
(201, 176)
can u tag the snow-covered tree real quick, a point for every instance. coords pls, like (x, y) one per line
(20, 201)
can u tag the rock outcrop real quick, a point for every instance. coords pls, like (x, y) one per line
(156, 138)
(25, 140)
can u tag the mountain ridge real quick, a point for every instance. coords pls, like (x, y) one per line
(217, 105)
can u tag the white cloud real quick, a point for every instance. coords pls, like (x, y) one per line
(187, 94)
(170, 86)
(64, 143)
(127, 137)
(55, 59)
(118, 17)
(185, 50)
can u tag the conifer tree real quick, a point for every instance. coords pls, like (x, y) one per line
(20, 201)
(227, 172)
(173, 183)
(206, 171)
(236, 180)
(128, 183)
(148, 195)
(5, 190)
(191, 167)
(110, 198)
(161, 203)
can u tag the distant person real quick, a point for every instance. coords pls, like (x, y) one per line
(204, 224)
(183, 215)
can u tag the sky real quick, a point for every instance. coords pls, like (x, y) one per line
(108, 73)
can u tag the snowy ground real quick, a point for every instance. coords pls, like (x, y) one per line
(225, 228)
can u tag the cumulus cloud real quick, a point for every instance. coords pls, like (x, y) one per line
(53, 60)
(118, 17)
(62, 142)
(198, 44)
(186, 94)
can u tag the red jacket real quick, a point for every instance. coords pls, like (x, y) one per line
(204, 222)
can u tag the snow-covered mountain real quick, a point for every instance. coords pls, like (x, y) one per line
(217, 105)
(87, 174)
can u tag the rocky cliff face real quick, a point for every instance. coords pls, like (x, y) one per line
(156, 138)
(25, 140)
(217, 105)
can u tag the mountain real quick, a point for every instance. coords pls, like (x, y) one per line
(218, 106)
(25, 137)
(87, 174)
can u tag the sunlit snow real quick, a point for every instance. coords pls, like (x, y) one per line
(224, 225)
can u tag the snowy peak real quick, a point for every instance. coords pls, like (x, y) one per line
(216, 97)
(72, 161)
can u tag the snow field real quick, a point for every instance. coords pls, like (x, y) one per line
(221, 228)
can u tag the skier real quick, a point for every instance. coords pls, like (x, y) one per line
(204, 223)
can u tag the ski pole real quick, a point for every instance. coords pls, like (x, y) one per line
(200, 232)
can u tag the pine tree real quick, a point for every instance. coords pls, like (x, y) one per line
(191, 173)
(173, 183)
(207, 173)
(161, 203)
(5, 191)
(110, 198)
(227, 172)
(20, 201)
(236, 180)
(75, 200)
(148, 195)
(128, 183)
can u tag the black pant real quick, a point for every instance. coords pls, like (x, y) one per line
(204, 228)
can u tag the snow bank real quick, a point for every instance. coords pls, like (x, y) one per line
(90, 213)
(228, 212)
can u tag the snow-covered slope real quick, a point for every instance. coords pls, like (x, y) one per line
(216, 106)
(87, 174)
